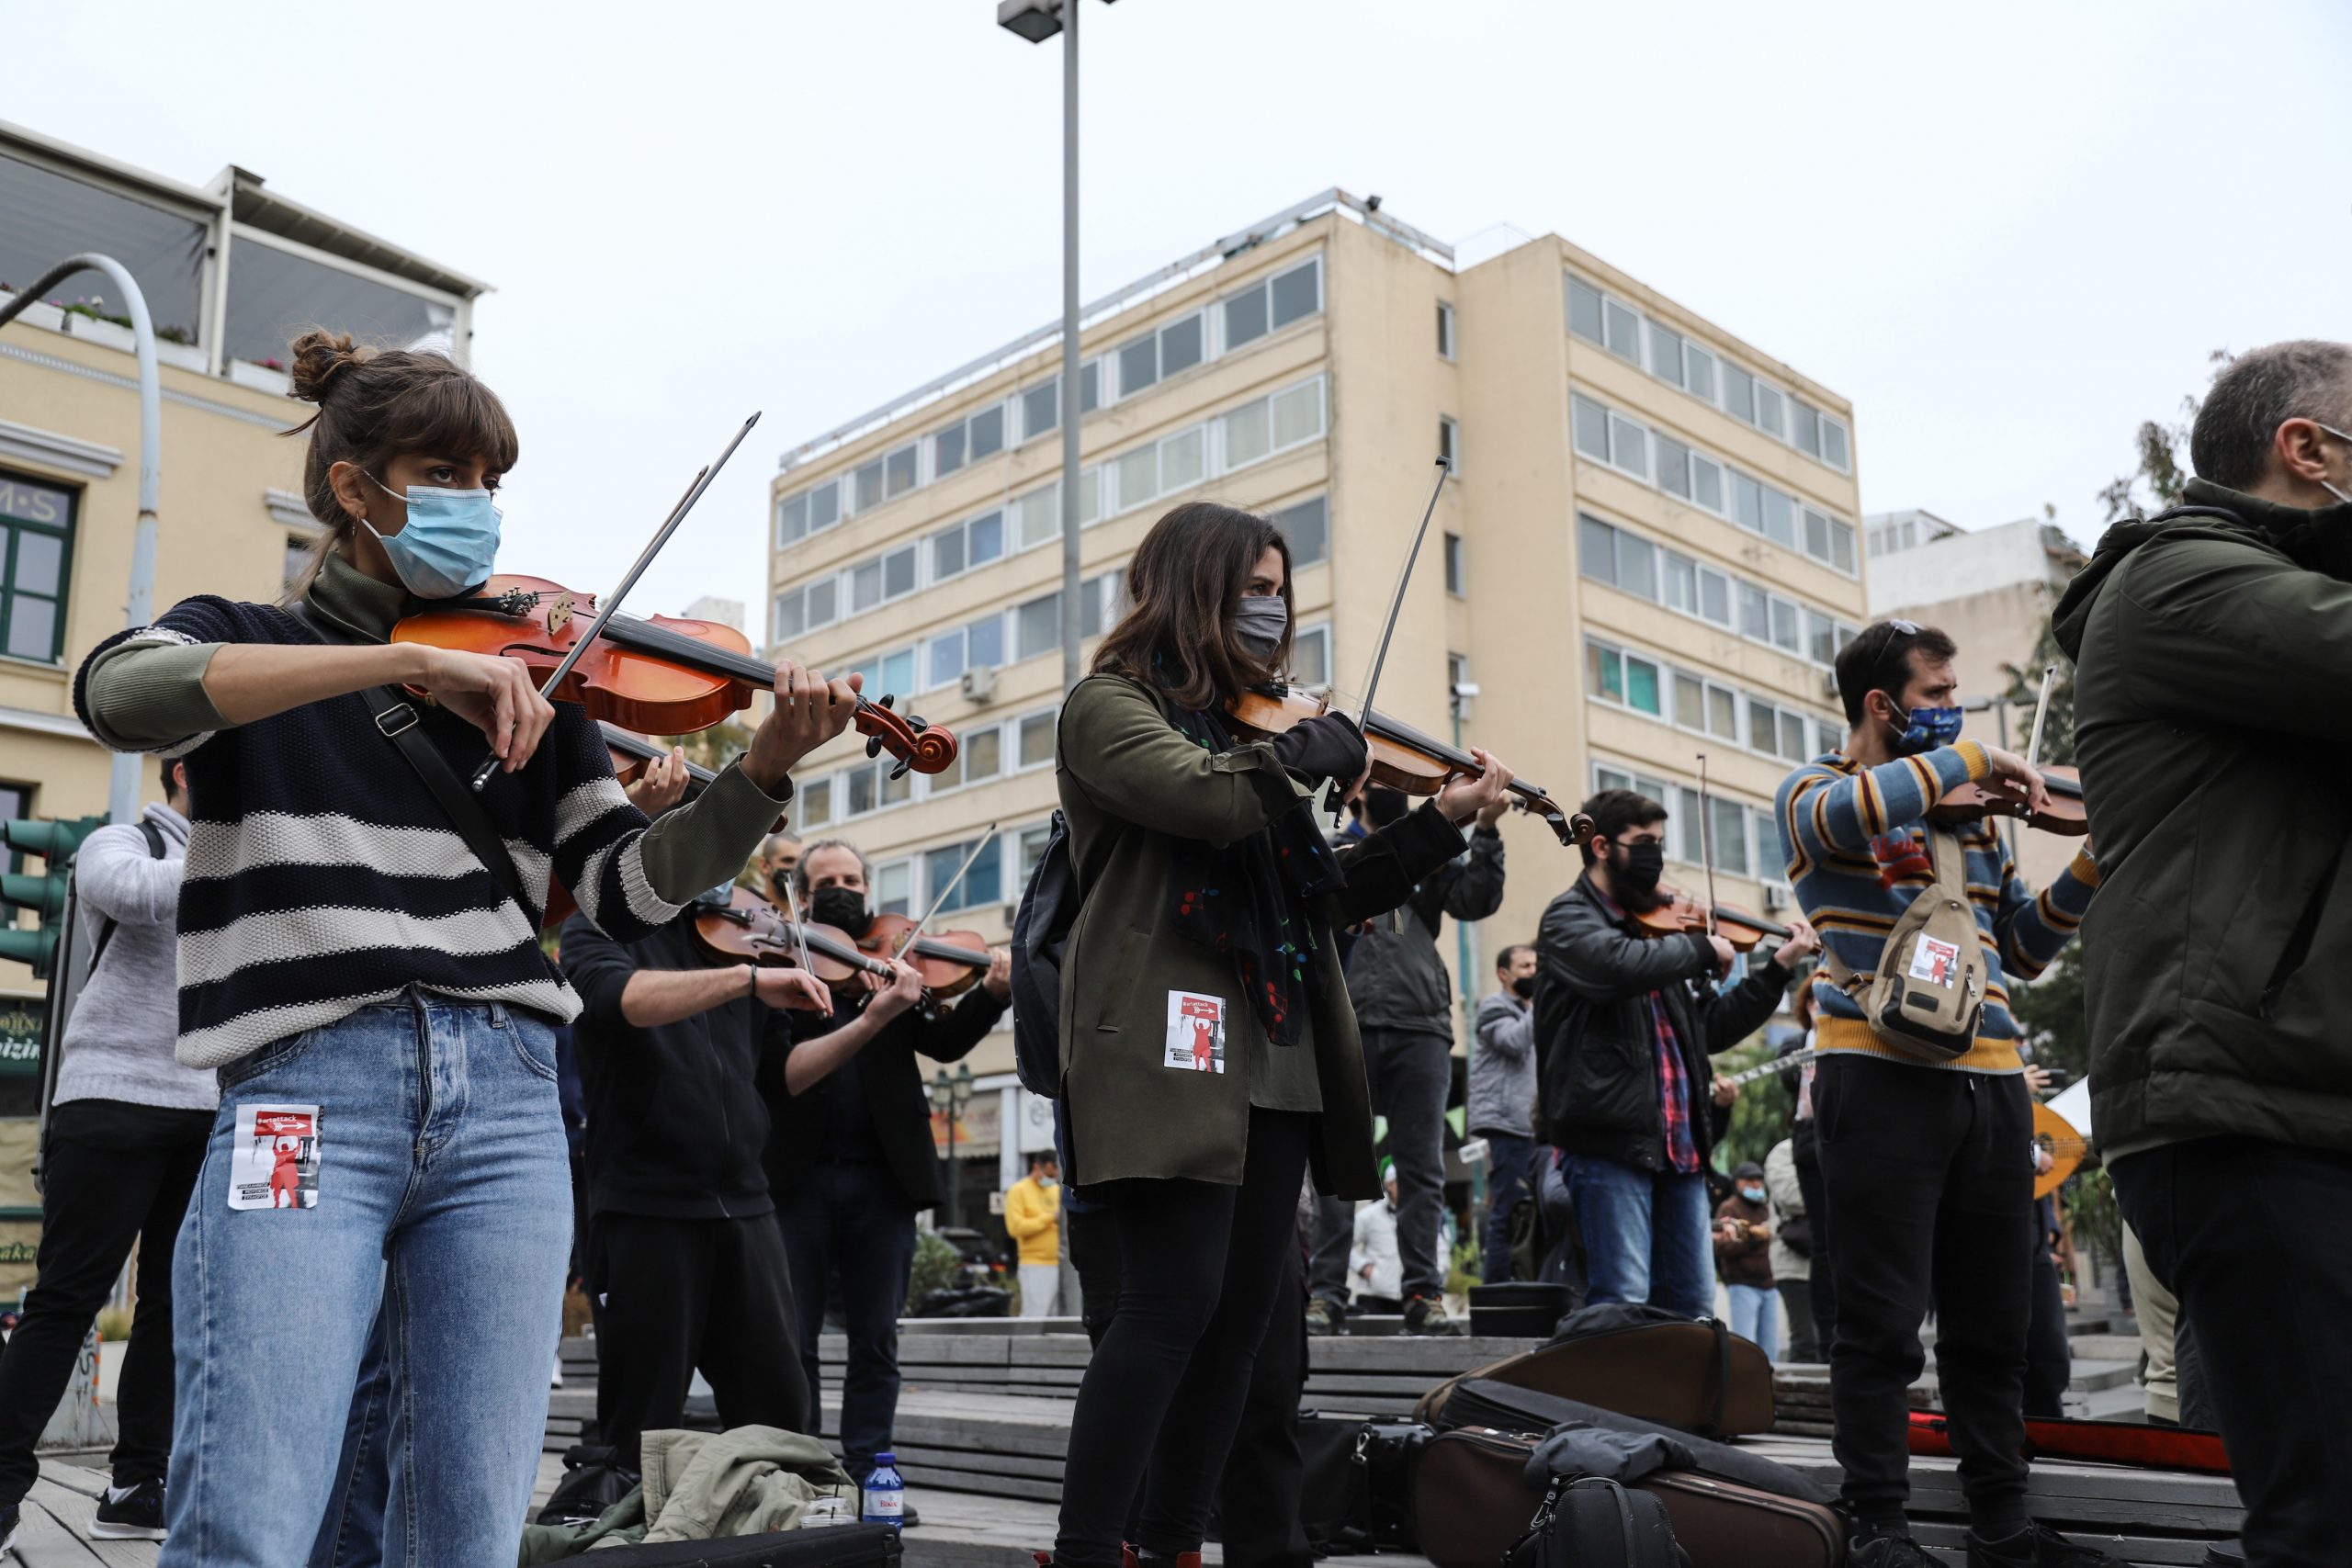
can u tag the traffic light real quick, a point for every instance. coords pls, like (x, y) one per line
(55, 843)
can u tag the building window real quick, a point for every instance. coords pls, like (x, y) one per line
(1036, 745)
(1448, 441)
(1666, 355)
(1625, 332)
(1310, 657)
(894, 888)
(1307, 527)
(1274, 304)
(983, 883)
(947, 450)
(36, 554)
(1457, 568)
(1444, 330)
(812, 804)
(1583, 309)
(1032, 850)
(979, 758)
(1041, 409)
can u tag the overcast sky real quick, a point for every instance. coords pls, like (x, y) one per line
(2009, 232)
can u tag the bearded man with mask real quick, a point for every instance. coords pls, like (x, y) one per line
(1624, 1025)
(1924, 1162)
(850, 1160)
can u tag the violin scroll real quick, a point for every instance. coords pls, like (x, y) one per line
(917, 743)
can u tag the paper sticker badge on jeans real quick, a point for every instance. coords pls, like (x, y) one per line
(1934, 962)
(274, 1163)
(1195, 1033)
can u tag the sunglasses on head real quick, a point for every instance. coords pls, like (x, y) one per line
(1894, 629)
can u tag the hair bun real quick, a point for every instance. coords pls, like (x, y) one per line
(320, 358)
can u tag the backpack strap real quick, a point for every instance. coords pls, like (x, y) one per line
(1950, 862)
(1723, 1378)
(155, 837)
(396, 719)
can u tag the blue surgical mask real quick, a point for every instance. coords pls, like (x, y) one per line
(449, 544)
(1930, 728)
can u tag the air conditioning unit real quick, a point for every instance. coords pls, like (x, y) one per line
(1829, 686)
(1776, 897)
(978, 685)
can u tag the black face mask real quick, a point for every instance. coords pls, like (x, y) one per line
(1634, 873)
(842, 906)
(1523, 986)
(779, 879)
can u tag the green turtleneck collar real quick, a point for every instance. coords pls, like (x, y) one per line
(350, 598)
(2275, 518)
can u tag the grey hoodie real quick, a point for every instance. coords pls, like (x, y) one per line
(1502, 1067)
(118, 1042)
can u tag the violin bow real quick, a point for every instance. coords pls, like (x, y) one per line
(799, 937)
(608, 605)
(1396, 607)
(2040, 713)
(952, 883)
(1707, 842)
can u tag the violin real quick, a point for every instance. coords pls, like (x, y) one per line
(1402, 756)
(749, 930)
(631, 753)
(662, 673)
(949, 962)
(1681, 915)
(2065, 812)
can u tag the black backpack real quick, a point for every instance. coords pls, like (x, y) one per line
(1593, 1522)
(1041, 928)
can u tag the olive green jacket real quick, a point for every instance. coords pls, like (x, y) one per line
(1133, 788)
(2213, 654)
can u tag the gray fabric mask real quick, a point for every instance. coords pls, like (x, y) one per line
(1259, 622)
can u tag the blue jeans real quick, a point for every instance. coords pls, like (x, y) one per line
(852, 1218)
(444, 1202)
(1756, 1318)
(1509, 1158)
(352, 1533)
(1646, 1235)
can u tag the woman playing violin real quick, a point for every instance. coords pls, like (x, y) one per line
(852, 1161)
(1209, 1053)
(358, 974)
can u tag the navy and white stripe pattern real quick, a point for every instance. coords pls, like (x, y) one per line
(322, 877)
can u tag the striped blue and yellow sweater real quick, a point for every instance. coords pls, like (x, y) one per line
(1855, 841)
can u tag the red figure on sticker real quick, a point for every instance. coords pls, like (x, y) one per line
(1203, 1052)
(285, 1173)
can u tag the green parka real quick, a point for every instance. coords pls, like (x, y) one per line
(2213, 655)
(1133, 788)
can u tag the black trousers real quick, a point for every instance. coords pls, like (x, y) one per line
(1258, 1495)
(1823, 1284)
(116, 1175)
(682, 1294)
(1201, 1266)
(2049, 1355)
(1932, 1192)
(2241, 1230)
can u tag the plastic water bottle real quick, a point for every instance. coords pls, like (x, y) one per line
(885, 1493)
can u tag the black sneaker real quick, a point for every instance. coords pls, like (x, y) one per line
(1322, 1318)
(129, 1513)
(1426, 1315)
(1891, 1551)
(2037, 1546)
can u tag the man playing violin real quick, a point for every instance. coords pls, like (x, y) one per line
(850, 1160)
(1625, 1020)
(1923, 1161)
(680, 1251)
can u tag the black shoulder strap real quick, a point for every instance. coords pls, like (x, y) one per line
(155, 837)
(396, 719)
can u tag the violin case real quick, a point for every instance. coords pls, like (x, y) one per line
(2110, 1442)
(828, 1546)
(1636, 1360)
(1471, 1502)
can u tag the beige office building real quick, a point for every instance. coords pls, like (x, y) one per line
(230, 271)
(1649, 551)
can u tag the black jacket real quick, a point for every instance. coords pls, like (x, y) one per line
(2211, 655)
(675, 1130)
(1595, 1046)
(891, 1084)
(1394, 976)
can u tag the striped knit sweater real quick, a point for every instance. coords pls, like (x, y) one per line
(322, 876)
(1855, 841)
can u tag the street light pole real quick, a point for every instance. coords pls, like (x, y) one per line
(1073, 631)
(1038, 20)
